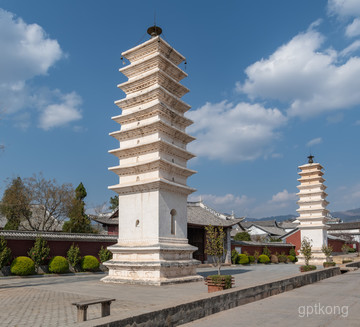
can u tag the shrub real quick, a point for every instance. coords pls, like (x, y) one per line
(242, 236)
(307, 268)
(274, 258)
(104, 255)
(264, 258)
(39, 252)
(282, 257)
(58, 265)
(256, 256)
(266, 251)
(90, 263)
(243, 259)
(234, 256)
(275, 239)
(5, 253)
(345, 248)
(346, 261)
(352, 250)
(291, 258)
(292, 252)
(251, 258)
(329, 264)
(73, 255)
(22, 266)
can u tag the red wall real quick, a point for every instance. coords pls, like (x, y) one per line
(252, 248)
(58, 247)
(295, 239)
(336, 244)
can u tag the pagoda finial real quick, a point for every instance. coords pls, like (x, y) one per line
(311, 157)
(154, 31)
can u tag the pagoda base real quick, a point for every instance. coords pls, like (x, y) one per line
(318, 257)
(158, 264)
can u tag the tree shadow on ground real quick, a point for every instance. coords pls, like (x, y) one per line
(223, 272)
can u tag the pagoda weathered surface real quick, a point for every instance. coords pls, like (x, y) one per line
(312, 209)
(152, 245)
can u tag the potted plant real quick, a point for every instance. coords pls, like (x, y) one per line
(327, 250)
(307, 253)
(215, 237)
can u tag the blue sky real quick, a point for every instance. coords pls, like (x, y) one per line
(269, 82)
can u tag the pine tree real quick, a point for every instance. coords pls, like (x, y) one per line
(79, 222)
(114, 202)
(15, 204)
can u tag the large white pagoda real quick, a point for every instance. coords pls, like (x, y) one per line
(312, 209)
(152, 245)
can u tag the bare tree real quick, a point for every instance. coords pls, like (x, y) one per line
(49, 203)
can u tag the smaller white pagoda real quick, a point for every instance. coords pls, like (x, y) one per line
(312, 209)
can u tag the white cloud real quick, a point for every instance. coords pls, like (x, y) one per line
(344, 8)
(350, 49)
(315, 141)
(353, 29)
(308, 79)
(234, 132)
(26, 52)
(66, 111)
(283, 197)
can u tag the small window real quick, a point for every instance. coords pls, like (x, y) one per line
(172, 214)
(137, 223)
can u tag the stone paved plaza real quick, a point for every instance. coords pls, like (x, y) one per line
(289, 308)
(46, 301)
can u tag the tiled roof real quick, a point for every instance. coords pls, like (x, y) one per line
(261, 243)
(198, 215)
(30, 235)
(345, 226)
(265, 223)
(274, 231)
(109, 218)
(287, 225)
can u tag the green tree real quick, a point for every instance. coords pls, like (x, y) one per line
(215, 237)
(39, 252)
(5, 252)
(79, 222)
(114, 202)
(306, 250)
(242, 236)
(15, 204)
(327, 250)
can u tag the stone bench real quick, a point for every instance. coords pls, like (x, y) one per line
(83, 305)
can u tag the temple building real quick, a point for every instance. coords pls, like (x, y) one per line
(152, 245)
(312, 209)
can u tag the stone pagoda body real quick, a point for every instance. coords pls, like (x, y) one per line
(312, 209)
(152, 245)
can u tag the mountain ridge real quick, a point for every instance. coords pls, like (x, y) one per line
(346, 216)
